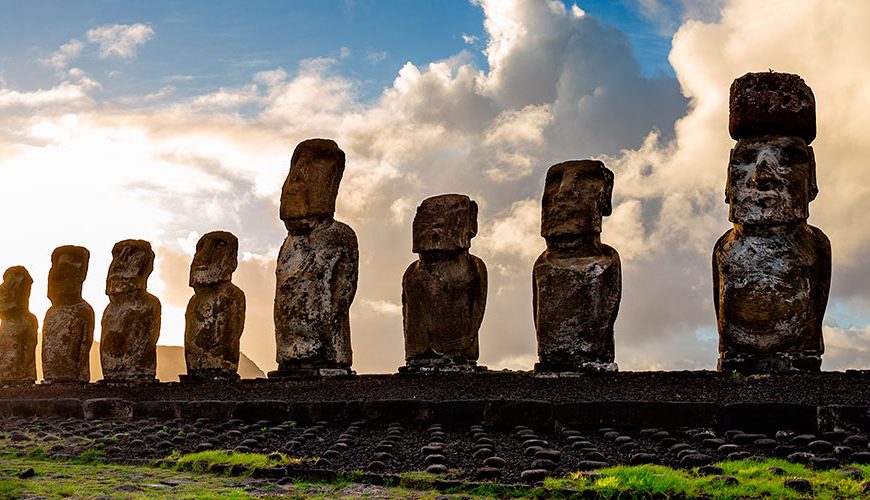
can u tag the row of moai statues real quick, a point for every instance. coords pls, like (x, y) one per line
(771, 273)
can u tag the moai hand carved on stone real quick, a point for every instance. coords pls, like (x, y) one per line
(444, 292)
(17, 328)
(772, 271)
(131, 321)
(215, 316)
(317, 268)
(68, 329)
(577, 281)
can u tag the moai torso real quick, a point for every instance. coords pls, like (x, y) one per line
(68, 328)
(215, 316)
(444, 292)
(317, 267)
(131, 321)
(772, 271)
(577, 281)
(17, 328)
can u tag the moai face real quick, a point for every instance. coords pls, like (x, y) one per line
(444, 223)
(577, 195)
(217, 256)
(69, 268)
(15, 290)
(132, 263)
(312, 185)
(771, 180)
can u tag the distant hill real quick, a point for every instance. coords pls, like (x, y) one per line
(170, 364)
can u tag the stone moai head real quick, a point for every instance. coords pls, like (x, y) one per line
(311, 187)
(772, 169)
(577, 194)
(69, 268)
(132, 263)
(15, 290)
(216, 258)
(444, 223)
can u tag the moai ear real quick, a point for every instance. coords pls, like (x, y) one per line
(607, 194)
(728, 178)
(814, 187)
(472, 222)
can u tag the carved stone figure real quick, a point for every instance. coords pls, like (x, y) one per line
(772, 271)
(577, 281)
(317, 268)
(444, 291)
(68, 329)
(131, 321)
(215, 315)
(17, 328)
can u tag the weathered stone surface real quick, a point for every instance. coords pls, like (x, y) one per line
(131, 321)
(317, 267)
(444, 291)
(215, 316)
(772, 271)
(68, 329)
(17, 328)
(771, 103)
(577, 281)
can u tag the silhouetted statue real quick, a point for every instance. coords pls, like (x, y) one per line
(17, 328)
(317, 268)
(772, 271)
(215, 315)
(131, 321)
(444, 291)
(577, 281)
(68, 329)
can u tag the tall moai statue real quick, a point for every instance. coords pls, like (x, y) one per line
(131, 321)
(17, 328)
(215, 316)
(317, 268)
(444, 291)
(68, 329)
(577, 281)
(772, 271)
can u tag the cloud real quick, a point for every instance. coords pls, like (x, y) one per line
(376, 56)
(67, 52)
(122, 40)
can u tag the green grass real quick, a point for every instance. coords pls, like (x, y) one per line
(204, 460)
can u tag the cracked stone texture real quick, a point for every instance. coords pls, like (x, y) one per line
(577, 281)
(772, 271)
(444, 291)
(215, 316)
(68, 329)
(131, 321)
(318, 265)
(17, 328)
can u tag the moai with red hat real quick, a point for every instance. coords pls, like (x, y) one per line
(772, 270)
(577, 281)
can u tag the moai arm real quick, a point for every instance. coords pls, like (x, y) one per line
(87, 336)
(823, 279)
(482, 282)
(192, 351)
(717, 250)
(347, 271)
(236, 326)
(535, 294)
(614, 282)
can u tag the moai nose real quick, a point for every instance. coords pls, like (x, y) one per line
(764, 175)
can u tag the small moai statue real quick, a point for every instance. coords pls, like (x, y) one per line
(577, 281)
(68, 329)
(444, 291)
(772, 271)
(317, 268)
(17, 329)
(215, 316)
(131, 321)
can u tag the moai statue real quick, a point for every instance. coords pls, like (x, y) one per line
(131, 321)
(577, 281)
(772, 271)
(444, 291)
(317, 268)
(17, 329)
(215, 315)
(68, 329)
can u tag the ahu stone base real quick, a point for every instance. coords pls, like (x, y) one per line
(310, 373)
(203, 376)
(440, 365)
(748, 364)
(564, 369)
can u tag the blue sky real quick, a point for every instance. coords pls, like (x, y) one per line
(165, 120)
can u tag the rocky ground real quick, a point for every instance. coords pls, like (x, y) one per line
(517, 456)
